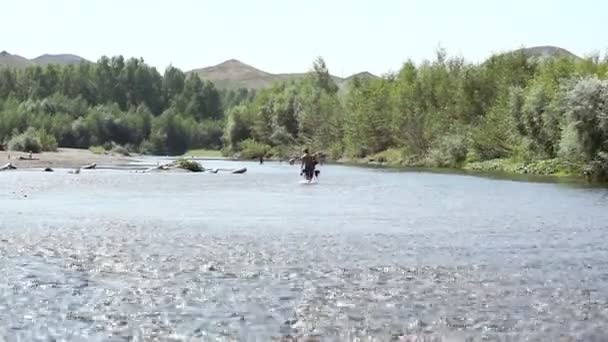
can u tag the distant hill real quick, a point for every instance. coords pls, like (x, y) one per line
(13, 61)
(546, 51)
(16, 61)
(236, 74)
(364, 74)
(61, 59)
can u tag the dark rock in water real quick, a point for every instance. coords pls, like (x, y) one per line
(240, 171)
(290, 322)
(48, 169)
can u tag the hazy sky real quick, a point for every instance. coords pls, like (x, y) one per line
(285, 36)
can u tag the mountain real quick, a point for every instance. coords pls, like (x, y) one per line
(16, 61)
(61, 59)
(13, 61)
(362, 75)
(546, 51)
(236, 74)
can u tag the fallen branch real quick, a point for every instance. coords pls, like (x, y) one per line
(8, 166)
(163, 167)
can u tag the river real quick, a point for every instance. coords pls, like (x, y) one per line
(114, 255)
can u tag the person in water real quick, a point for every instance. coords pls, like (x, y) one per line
(308, 165)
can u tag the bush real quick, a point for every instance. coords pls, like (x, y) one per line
(208, 135)
(597, 169)
(251, 149)
(190, 165)
(25, 142)
(33, 141)
(450, 151)
(47, 141)
(335, 151)
(97, 149)
(587, 109)
(108, 145)
(569, 147)
(392, 156)
(145, 147)
(119, 149)
(171, 134)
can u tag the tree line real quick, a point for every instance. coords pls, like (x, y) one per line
(512, 113)
(545, 115)
(112, 102)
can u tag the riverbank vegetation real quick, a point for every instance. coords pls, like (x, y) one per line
(511, 113)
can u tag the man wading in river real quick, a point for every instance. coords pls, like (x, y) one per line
(308, 165)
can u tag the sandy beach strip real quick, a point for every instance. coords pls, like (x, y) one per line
(63, 158)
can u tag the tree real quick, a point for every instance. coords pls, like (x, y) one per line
(587, 109)
(238, 126)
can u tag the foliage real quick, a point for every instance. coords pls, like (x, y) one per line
(251, 149)
(392, 156)
(32, 140)
(97, 149)
(238, 126)
(112, 101)
(450, 151)
(190, 165)
(493, 138)
(122, 150)
(510, 112)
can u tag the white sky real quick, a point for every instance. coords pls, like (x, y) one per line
(285, 36)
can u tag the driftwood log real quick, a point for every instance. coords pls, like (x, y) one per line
(8, 166)
(163, 167)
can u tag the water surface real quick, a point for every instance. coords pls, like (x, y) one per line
(111, 255)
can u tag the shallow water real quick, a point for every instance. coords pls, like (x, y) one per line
(112, 255)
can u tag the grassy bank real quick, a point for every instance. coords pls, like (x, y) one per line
(549, 168)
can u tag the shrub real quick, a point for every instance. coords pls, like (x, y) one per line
(97, 149)
(391, 156)
(335, 151)
(25, 142)
(33, 141)
(251, 149)
(450, 151)
(47, 141)
(597, 169)
(119, 149)
(569, 147)
(190, 165)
